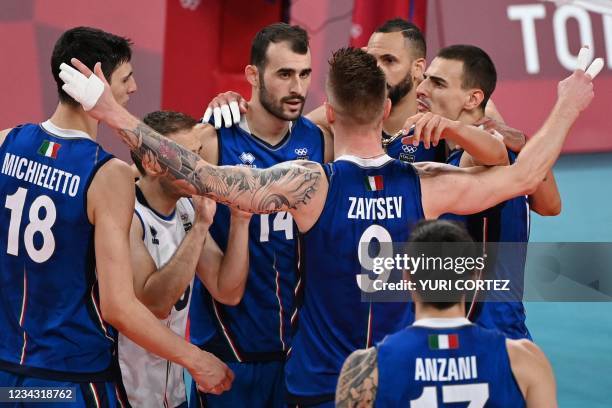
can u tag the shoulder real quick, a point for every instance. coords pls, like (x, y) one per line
(305, 167)
(3, 134)
(358, 380)
(308, 125)
(525, 352)
(362, 356)
(115, 168)
(528, 362)
(112, 188)
(209, 140)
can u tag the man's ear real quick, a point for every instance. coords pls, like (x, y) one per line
(418, 69)
(387, 109)
(251, 73)
(330, 114)
(151, 166)
(473, 99)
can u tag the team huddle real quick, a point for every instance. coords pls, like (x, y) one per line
(238, 252)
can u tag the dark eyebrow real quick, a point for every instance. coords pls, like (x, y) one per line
(285, 70)
(391, 56)
(306, 71)
(125, 78)
(437, 80)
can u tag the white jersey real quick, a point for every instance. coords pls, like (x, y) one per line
(149, 380)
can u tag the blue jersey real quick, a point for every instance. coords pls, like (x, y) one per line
(50, 321)
(259, 327)
(507, 222)
(512, 228)
(369, 201)
(445, 363)
(413, 154)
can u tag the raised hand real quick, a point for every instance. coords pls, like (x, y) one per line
(576, 91)
(229, 106)
(428, 128)
(90, 89)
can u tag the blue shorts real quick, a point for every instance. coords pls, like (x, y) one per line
(256, 385)
(88, 395)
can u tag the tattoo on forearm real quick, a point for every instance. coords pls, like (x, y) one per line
(284, 186)
(358, 381)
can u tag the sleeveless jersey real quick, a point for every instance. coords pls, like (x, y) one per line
(149, 380)
(259, 327)
(507, 222)
(445, 363)
(50, 320)
(369, 201)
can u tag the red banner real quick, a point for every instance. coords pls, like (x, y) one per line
(207, 46)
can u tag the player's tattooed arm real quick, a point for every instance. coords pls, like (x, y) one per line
(282, 187)
(358, 380)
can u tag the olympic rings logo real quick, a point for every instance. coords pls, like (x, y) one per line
(409, 148)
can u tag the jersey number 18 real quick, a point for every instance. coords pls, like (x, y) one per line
(15, 203)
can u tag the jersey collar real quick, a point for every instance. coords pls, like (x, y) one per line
(373, 162)
(442, 322)
(49, 127)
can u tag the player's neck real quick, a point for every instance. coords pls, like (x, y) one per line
(264, 125)
(159, 201)
(422, 311)
(470, 117)
(406, 107)
(362, 142)
(69, 117)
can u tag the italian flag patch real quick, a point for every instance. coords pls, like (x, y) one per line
(49, 149)
(374, 183)
(443, 341)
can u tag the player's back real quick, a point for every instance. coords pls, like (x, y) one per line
(50, 318)
(369, 201)
(445, 363)
(259, 327)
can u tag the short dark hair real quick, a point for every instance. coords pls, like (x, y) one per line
(295, 35)
(410, 31)
(89, 45)
(166, 123)
(440, 239)
(356, 85)
(478, 68)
